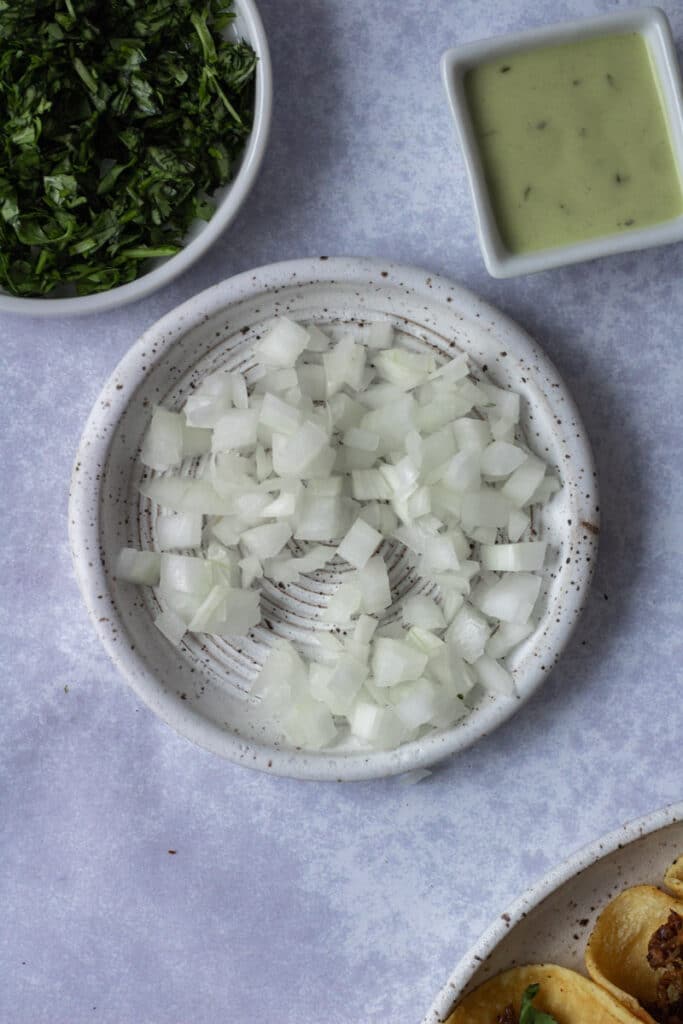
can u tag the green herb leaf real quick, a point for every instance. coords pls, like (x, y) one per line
(527, 1013)
(117, 123)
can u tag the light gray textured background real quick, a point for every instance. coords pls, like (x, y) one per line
(306, 902)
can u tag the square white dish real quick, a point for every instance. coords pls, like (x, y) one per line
(651, 23)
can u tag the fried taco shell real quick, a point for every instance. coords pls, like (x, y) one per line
(617, 951)
(565, 995)
(673, 879)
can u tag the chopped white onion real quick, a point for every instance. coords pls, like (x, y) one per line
(365, 629)
(323, 517)
(468, 632)
(162, 447)
(171, 625)
(500, 458)
(184, 495)
(520, 486)
(507, 636)
(318, 341)
(179, 531)
(366, 440)
(379, 335)
(196, 441)
(359, 544)
(210, 401)
(493, 676)
(420, 610)
(278, 415)
(251, 570)
(471, 433)
(512, 599)
(235, 429)
(287, 569)
(524, 557)
(140, 567)
(341, 439)
(283, 344)
(374, 584)
(378, 726)
(294, 455)
(266, 541)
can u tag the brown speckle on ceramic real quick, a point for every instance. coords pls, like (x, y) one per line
(204, 684)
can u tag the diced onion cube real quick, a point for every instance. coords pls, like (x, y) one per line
(494, 677)
(322, 517)
(359, 544)
(469, 632)
(283, 344)
(419, 705)
(140, 567)
(525, 557)
(210, 401)
(266, 541)
(507, 636)
(420, 610)
(162, 447)
(171, 625)
(236, 429)
(376, 725)
(486, 507)
(279, 415)
(294, 455)
(512, 599)
(179, 531)
(344, 603)
(500, 459)
(366, 440)
(394, 661)
(520, 486)
(379, 335)
(374, 584)
(472, 434)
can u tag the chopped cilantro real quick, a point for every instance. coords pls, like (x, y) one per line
(527, 1014)
(117, 121)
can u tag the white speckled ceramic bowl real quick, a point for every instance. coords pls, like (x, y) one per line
(247, 25)
(654, 27)
(201, 688)
(552, 921)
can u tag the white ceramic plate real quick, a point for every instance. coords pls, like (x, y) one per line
(248, 26)
(200, 688)
(552, 921)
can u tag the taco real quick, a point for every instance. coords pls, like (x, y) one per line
(636, 952)
(561, 996)
(673, 879)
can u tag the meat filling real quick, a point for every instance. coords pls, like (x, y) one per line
(665, 955)
(508, 1016)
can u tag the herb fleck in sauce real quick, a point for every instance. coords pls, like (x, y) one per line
(574, 142)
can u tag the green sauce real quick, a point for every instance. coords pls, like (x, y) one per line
(574, 142)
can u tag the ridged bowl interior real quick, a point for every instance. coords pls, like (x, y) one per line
(202, 687)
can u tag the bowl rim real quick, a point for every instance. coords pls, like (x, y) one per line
(585, 857)
(84, 523)
(237, 191)
(649, 22)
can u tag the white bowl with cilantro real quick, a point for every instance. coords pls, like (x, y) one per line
(181, 108)
(347, 518)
